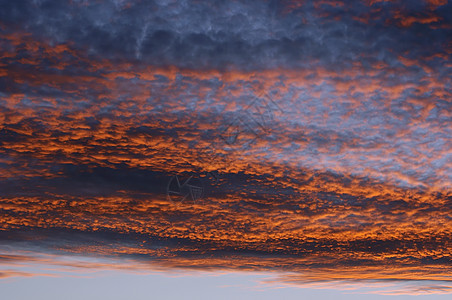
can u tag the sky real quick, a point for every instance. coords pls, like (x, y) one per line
(303, 148)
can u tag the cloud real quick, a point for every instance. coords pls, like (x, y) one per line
(241, 34)
(325, 125)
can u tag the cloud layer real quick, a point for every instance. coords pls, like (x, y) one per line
(320, 131)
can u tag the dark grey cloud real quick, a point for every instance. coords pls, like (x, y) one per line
(243, 34)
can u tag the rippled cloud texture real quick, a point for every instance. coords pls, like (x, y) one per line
(326, 125)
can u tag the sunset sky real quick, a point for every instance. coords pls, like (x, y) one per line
(237, 149)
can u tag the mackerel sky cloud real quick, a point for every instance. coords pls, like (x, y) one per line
(319, 131)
